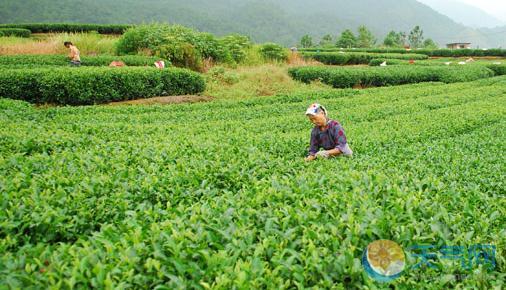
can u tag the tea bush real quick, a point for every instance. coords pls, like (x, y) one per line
(15, 32)
(499, 69)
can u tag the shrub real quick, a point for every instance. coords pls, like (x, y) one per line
(70, 27)
(345, 77)
(273, 52)
(237, 45)
(183, 46)
(19, 32)
(71, 86)
(62, 60)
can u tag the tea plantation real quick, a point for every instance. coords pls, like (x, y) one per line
(217, 195)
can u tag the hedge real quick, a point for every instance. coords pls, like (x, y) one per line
(70, 27)
(94, 85)
(345, 77)
(62, 60)
(342, 58)
(19, 32)
(430, 52)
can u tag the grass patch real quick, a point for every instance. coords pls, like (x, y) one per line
(88, 44)
(254, 81)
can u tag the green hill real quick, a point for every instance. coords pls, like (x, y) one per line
(283, 21)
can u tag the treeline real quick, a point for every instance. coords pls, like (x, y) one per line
(366, 39)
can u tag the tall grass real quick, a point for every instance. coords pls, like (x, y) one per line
(254, 81)
(88, 44)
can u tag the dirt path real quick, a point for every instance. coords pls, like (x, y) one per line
(164, 100)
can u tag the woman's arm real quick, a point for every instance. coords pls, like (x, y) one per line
(313, 146)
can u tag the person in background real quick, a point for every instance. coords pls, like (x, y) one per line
(327, 134)
(75, 59)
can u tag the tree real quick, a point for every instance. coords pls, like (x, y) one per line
(306, 41)
(395, 39)
(404, 38)
(430, 44)
(416, 37)
(326, 40)
(365, 37)
(347, 39)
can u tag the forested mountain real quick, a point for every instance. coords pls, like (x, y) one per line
(282, 21)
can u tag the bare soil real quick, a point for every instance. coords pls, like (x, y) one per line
(164, 100)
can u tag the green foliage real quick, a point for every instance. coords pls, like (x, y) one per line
(347, 39)
(273, 52)
(416, 37)
(92, 85)
(347, 77)
(62, 60)
(365, 37)
(18, 32)
(326, 41)
(183, 46)
(499, 69)
(69, 27)
(237, 45)
(429, 44)
(351, 58)
(215, 195)
(306, 41)
(395, 39)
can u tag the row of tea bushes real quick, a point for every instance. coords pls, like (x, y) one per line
(344, 58)
(430, 52)
(346, 77)
(94, 85)
(62, 60)
(70, 27)
(17, 32)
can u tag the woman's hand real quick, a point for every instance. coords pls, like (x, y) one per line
(310, 158)
(334, 152)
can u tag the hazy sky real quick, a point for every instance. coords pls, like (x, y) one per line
(494, 7)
